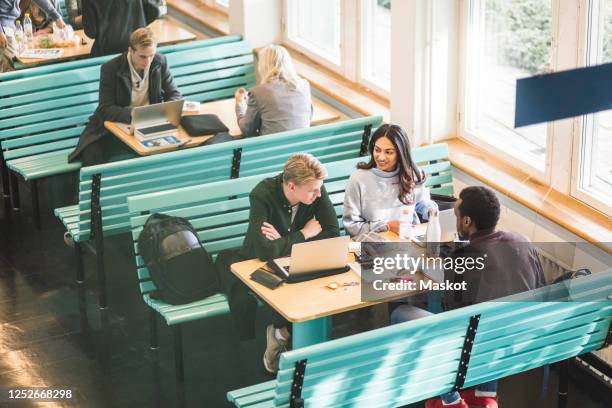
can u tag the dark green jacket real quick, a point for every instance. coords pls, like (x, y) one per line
(269, 204)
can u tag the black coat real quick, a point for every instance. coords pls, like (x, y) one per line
(111, 22)
(115, 96)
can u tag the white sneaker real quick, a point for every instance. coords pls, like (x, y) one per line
(68, 240)
(274, 347)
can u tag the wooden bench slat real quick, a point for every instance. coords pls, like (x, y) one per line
(51, 136)
(211, 95)
(240, 70)
(36, 149)
(43, 119)
(214, 52)
(43, 127)
(441, 167)
(50, 81)
(57, 93)
(264, 396)
(200, 87)
(60, 106)
(251, 390)
(198, 67)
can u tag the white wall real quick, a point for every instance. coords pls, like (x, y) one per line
(549, 236)
(258, 21)
(424, 68)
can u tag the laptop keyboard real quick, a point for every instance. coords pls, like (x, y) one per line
(158, 128)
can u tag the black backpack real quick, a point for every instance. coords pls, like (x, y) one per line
(179, 265)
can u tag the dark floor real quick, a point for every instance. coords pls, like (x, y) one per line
(52, 333)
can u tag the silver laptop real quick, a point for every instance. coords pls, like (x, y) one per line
(159, 119)
(312, 256)
(448, 227)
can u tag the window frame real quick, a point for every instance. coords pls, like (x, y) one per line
(351, 35)
(361, 78)
(466, 102)
(304, 49)
(584, 133)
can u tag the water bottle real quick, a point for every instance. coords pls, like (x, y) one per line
(28, 31)
(163, 8)
(405, 226)
(434, 233)
(19, 36)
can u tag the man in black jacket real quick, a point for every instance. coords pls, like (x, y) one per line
(111, 22)
(290, 208)
(137, 77)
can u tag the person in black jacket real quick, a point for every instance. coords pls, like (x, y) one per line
(111, 22)
(137, 77)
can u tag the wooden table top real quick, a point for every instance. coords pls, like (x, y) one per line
(166, 31)
(224, 109)
(299, 302)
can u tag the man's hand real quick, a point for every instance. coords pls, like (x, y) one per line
(311, 229)
(269, 231)
(60, 23)
(3, 40)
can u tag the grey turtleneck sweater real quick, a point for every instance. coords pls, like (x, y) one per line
(371, 199)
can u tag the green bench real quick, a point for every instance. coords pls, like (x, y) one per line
(219, 211)
(42, 116)
(104, 189)
(421, 359)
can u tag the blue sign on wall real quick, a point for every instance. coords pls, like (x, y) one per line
(561, 95)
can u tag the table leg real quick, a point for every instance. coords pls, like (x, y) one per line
(311, 332)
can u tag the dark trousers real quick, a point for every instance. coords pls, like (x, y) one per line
(106, 150)
(242, 303)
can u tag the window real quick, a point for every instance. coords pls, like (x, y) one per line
(376, 42)
(595, 165)
(314, 25)
(350, 37)
(506, 40)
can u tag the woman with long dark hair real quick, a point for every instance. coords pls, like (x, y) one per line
(377, 191)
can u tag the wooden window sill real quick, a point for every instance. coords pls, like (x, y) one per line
(351, 94)
(212, 18)
(571, 214)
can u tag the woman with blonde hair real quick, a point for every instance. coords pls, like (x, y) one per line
(281, 101)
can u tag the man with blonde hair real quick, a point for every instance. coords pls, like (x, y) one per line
(287, 209)
(137, 77)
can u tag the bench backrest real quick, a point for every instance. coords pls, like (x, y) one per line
(47, 113)
(97, 61)
(219, 211)
(409, 362)
(258, 155)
